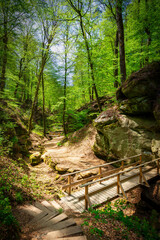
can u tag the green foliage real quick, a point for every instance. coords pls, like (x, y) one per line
(76, 120)
(96, 231)
(38, 130)
(140, 226)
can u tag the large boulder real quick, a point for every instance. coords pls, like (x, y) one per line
(134, 126)
(140, 93)
(119, 135)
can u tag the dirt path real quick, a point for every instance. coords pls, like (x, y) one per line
(76, 154)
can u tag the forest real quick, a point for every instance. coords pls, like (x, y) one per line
(62, 63)
(59, 55)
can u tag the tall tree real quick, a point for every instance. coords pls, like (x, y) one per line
(50, 25)
(120, 28)
(12, 14)
(115, 7)
(78, 8)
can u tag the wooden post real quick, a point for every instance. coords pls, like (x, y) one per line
(140, 159)
(86, 197)
(100, 172)
(118, 181)
(69, 182)
(122, 166)
(157, 167)
(140, 174)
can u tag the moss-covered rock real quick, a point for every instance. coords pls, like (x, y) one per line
(50, 160)
(35, 158)
(126, 136)
(61, 168)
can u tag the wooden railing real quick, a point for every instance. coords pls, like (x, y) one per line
(101, 174)
(118, 182)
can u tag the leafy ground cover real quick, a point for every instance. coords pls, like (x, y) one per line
(111, 222)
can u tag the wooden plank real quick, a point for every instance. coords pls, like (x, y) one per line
(55, 205)
(55, 220)
(41, 207)
(49, 206)
(31, 210)
(73, 238)
(64, 232)
(58, 226)
(47, 218)
(38, 217)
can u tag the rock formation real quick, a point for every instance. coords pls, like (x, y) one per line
(133, 126)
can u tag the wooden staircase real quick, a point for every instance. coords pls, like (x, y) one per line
(49, 220)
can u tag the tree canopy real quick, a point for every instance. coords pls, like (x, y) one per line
(60, 54)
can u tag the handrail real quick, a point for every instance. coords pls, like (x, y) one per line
(118, 182)
(71, 184)
(102, 165)
(115, 174)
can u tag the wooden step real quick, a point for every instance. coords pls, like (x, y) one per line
(64, 232)
(31, 210)
(55, 205)
(49, 206)
(73, 238)
(45, 221)
(38, 217)
(41, 207)
(58, 226)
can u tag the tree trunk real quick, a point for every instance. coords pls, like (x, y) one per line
(44, 118)
(64, 101)
(19, 77)
(4, 60)
(147, 30)
(120, 28)
(44, 59)
(90, 62)
(116, 83)
(36, 93)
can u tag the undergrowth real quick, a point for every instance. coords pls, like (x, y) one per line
(141, 227)
(16, 186)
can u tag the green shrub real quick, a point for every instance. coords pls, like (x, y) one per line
(76, 120)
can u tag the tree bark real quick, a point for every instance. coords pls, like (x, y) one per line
(19, 76)
(90, 62)
(116, 83)
(120, 28)
(43, 62)
(147, 30)
(37, 89)
(44, 118)
(5, 48)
